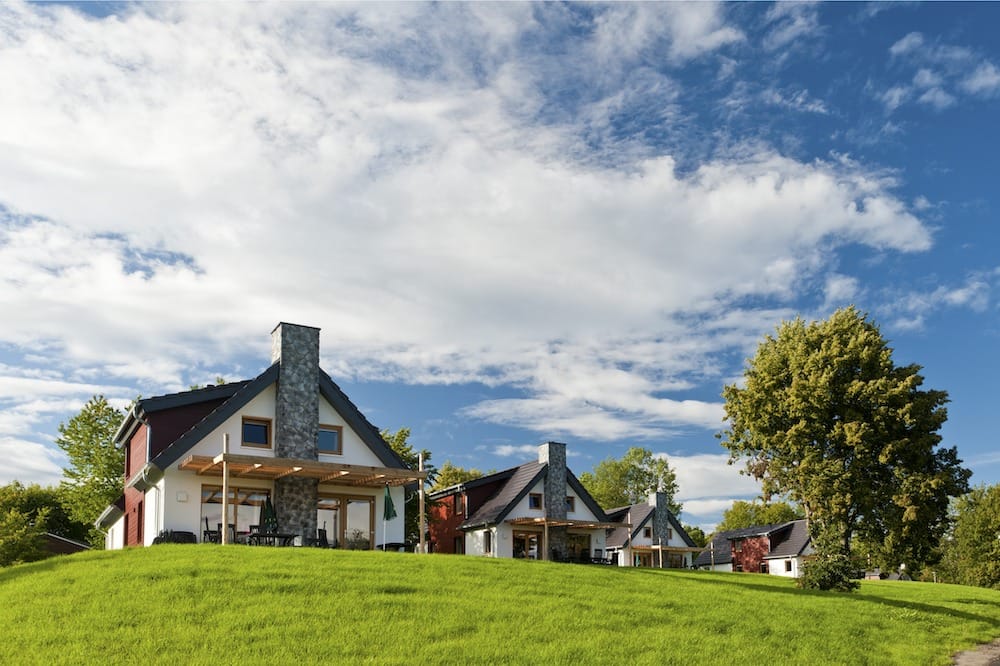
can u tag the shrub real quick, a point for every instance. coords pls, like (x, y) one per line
(829, 572)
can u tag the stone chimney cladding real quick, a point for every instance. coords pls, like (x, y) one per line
(554, 455)
(296, 418)
(661, 517)
(297, 410)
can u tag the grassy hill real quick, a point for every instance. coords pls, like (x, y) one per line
(213, 604)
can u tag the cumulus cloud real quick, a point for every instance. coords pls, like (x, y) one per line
(423, 184)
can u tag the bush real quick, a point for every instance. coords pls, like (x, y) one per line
(829, 572)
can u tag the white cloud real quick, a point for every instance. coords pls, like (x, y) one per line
(29, 462)
(984, 80)
(839, 290)
(382, 173)
(937, 98)
(791, 22)
(700, 477)
(911, 309)
(912, 42)
(523, 450)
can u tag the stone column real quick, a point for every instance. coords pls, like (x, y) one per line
(661, 522)
(296, 348)
(554, 455)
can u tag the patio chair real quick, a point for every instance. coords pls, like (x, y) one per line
(209, 535)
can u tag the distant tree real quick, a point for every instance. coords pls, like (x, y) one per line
(971, 556)
(34, 499)
(21, 536)
(450, 475)
(397, 441)
(697, 535)
(748, 514)
(631, 479)
(827, 419)
(94, 477)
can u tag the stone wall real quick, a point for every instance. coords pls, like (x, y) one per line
(661, 524)
(554, 454)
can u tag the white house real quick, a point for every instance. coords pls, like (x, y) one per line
(655, 538)
(288, 438)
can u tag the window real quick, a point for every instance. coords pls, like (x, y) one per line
(328, 439)
(459, 503)
(670, 534)
(257, 432)
(487, 541)
(738, 545)
(788, 566)
(535, 501)
(570, 504)
(647, 532)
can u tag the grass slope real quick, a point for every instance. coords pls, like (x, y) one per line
(216, 604)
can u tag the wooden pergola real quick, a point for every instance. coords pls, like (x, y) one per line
(257, 467)
(228, 465)
(656, 548)
(546, 523)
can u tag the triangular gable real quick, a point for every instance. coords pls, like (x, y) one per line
(506, 498)
(327, 388)
(587, 498)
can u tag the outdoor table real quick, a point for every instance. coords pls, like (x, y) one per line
(270, 539)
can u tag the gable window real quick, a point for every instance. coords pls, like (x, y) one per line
(647, 532)
(670, 534)
(535, 501)
(329, 439)
(257, 432)
(570, 504)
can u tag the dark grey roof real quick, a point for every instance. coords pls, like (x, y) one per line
(723, 540)
(474, 483)
(510, 493)
(790, 540)
(247, 390)
(171, 400)
(640, 515)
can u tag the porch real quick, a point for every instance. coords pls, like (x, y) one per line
(346, 499)
(531, 539)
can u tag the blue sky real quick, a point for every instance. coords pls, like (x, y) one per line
(512, 222)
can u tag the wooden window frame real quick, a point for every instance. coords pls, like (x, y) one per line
(570, 504)
(647, 532)
(536, 501)
(340, 439)
(258, 420)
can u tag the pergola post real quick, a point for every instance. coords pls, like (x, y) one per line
(224, 532)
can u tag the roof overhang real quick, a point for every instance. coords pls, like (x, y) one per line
(562, 522)
(665, 549)
(145, 478)
(108, 517)
(259, 467)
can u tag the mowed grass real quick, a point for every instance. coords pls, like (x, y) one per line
(206, 604)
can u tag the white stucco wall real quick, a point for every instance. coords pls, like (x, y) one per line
(776, 567)
(114, 538)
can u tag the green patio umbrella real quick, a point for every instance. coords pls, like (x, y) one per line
(388, 513)
(268, 518)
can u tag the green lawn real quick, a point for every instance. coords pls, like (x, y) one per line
(230, 604)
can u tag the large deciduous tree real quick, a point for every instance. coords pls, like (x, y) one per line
(749, 514)
(95, 475)
(631, 479)
(826, 418)
(450, 475)
(971, 555)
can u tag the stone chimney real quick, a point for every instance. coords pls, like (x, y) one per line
(554, 455)
(296, 349)
(661, 519)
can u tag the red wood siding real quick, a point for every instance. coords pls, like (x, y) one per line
(443, 525)
(135, 457)
(133, 517)
(167, 426)
(751, 553)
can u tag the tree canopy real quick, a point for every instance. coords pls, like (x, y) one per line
(631, 479)
(749, 514)
(972, 555)
(450, 475)
(826, 418)
(95, 475)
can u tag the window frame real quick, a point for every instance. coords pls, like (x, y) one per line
(329, 427)
(488, 542)
(536, 501)
(647, 532)
(258, 421)
(570, 504)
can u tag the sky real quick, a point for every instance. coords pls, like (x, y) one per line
(512, 222)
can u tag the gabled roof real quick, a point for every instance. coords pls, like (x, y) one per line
(784, 536)
(639, 514)
(237, 395)
(791, 540)
(474, 483)
(519, 481)
(494, 510)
